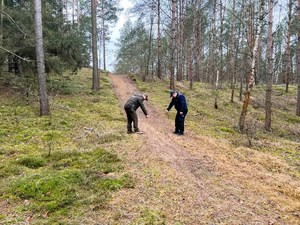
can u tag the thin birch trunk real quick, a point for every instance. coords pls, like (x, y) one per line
(258, 70)
(250, 85)
(242, 70)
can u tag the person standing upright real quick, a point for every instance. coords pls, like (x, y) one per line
(132, 104)
(179, 101)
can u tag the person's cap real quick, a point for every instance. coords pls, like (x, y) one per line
(171, 93)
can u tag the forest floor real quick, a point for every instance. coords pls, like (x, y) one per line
(211, 175)
(194, 179)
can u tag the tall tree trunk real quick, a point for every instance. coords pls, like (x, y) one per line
(242, 69)
(1, 32)
(231, 51)
(221, 41)
(1, 22)
(188, 58)
(67, 12)
(149, 49)
(40, 60)
(96, 82)
(258, 70)
(298, 63)
(180, 52)
(214, 51)
(259, 25)
(103, 34)
(172, 78)
(158, 42)
(269, 71)
(288, 49)
(73, 12)
(78, 14)
(194, 50)
(199, 40)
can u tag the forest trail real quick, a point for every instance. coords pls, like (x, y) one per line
(191, 179)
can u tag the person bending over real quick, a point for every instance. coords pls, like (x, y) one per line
(132, 104)
(178, 100)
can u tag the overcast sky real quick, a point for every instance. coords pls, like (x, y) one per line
(111, 54)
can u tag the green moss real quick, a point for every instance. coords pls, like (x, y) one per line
(32, 162)
(79, 133)
(226, 129)
(292, 119)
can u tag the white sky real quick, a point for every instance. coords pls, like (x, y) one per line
(111, 53)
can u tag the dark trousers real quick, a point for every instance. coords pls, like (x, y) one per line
(179, 122)
(131, 118)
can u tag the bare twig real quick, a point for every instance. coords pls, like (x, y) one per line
(26, 60)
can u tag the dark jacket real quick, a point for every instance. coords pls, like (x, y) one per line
(180, 103)
(134, 102)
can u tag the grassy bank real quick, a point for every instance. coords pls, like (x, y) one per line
(222, 123)
(60, 168)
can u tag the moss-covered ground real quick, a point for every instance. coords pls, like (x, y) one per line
(56, 169)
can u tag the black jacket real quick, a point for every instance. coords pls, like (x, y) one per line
(134, 102)
(180, 103)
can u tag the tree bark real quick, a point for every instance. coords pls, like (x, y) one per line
(172, 78)
(231, 50)
(67, 12)
(288, 49)
(221, 41)
(158, 42)
(269, 74)
(214, 51)
(259, 25)
(103, 34)
(96, 82)
(298, 63)
(180, 60)
(43, 97)
(1, 33)
(242, 70)
(149, 47)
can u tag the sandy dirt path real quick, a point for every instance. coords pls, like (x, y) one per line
(187, 179)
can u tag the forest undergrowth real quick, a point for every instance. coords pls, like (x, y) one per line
(59, 169)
